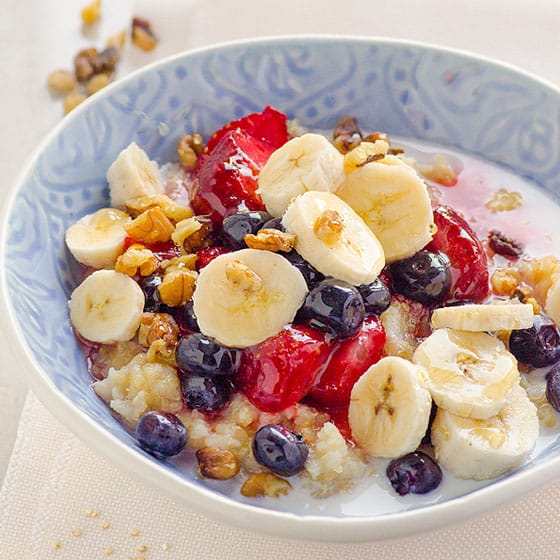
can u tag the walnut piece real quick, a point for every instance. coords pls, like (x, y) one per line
(85, 64)
(89, 62)
(504, 201)
(184, 261)
(136, 259)
(525, 295)
(151, 226)
(61, 81)
(193, 234)
(374, 136)
(159, 352)
(504, 245)
(142, 34)
(540, 274)
(158, 326)
(365, 153)
(107, 60)
(184, 229)
(220, 464)
(347, 134)
(108, 356)
(175, 212)
(90, 13)
(265, 484)
(271, 240)
(97, 82)
(189, 147)
(505, 281)
(177, 286)
(241, 275)
(328, 227)
(379, 135)
(72, 100)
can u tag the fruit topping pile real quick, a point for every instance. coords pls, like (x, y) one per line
(304, 307)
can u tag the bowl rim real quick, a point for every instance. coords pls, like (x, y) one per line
(203, 499)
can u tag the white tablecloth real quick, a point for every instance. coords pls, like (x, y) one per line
(53, 480)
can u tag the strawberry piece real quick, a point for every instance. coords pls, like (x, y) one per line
(268, 126)
(349, 361)
(278, 372)
(469, 264)
(227, 179)
(207, 255)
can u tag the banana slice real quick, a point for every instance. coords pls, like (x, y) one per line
(394, 202)
(243, 297)
(97, 239)
(484, 317)
(390, 408)
(483, 449)
(333, 238)
(107, 307)
(133, 175)
(307, 163)
(470, 374)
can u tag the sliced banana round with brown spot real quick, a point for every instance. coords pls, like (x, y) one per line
(483, 449)
(244, 297)
(470, 373)
(393, 201)
(390, 408)
(484, 317)
(333, 238)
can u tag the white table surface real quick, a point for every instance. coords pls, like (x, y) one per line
(38, 36)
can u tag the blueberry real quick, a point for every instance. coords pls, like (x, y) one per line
(537, 346)
(311, 275)
(188, 318)
(553, 387)
(376, 296)
(275, 223)
(201, 355)
(415, 472)
(425, 277)
(161, 433)
(427, 439)
(335, 307)
(206, 394)
(282, 451)
(149, 285)
(236, 226)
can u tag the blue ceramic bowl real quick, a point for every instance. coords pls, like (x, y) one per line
(409, 90)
